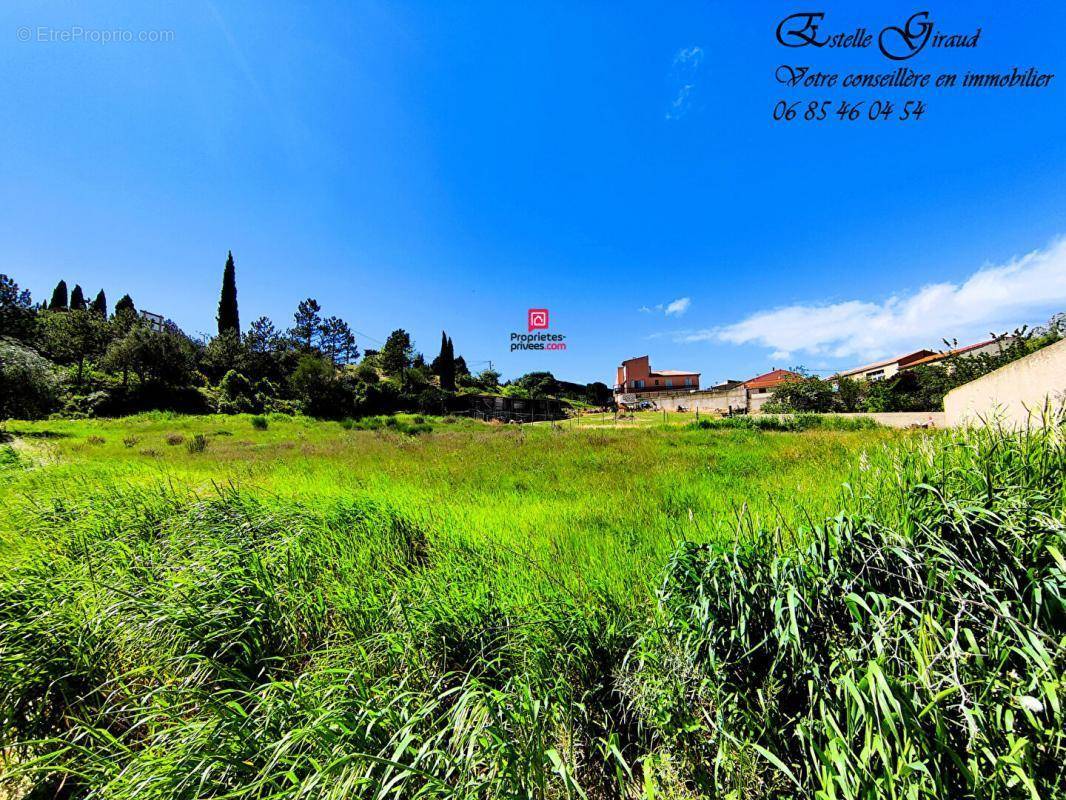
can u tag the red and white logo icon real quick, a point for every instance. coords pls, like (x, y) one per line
(538, 319)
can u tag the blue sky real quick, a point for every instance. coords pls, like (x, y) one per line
(437, 165)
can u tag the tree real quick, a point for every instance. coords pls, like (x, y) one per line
(538, 384)
(598, 393)
(396, 354)
(308, 324)
(164, 360)
(461, 370)
(29, 387)
(16, 310)
(59, 297)
(125, 305)
(223, 353)
(77, 299)
(807, 393)
(99, 305)
(489, 379)
(849, 394)
(338, 342)
(444, 364)
(320, 390)
(73, 337)
(228, 316)
(262, 336)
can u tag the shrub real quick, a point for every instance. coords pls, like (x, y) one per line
(417, 426)
(9, 457)
(95, 440)
(197, 444)
(260, 423)
(911, 646)
(794, 422)
(174, 439)
(29, 385)
(130, 440)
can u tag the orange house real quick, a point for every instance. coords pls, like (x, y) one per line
(636, 375)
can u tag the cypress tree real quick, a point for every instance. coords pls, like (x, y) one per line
(444, 365)
(77, 299)
(228, 318)
(59, 297)
(99, 305)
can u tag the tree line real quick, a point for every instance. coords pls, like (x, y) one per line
(71, 356)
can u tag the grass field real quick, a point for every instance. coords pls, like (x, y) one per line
(596, 510)
(279, 607)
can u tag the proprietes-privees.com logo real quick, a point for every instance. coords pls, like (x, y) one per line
(537, 319)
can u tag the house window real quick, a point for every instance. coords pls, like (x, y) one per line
(669, 382)
(688, 381)
(876, 375)
(656, 381)
(761, 391)
(638, 384)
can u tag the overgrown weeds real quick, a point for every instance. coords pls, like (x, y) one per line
(158, 643)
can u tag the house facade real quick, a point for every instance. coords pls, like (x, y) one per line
(880, 370)
(635, 376)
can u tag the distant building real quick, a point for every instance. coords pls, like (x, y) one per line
(761, 387)
(766, 383)
(880, 370)
(725, 385)
(635, 376)
(886, 368)
(991, 347)
(155, 321)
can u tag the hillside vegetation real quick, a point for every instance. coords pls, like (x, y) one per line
(224, 607)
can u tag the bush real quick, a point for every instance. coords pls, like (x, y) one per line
(415, 427)
(197, 444)
(174, 439)
(9, 457)
(793, 422)
(260, 423)
(911, 646)
(320, 390)
(235, 394)
(29, 385)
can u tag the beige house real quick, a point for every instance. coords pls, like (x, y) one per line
(880, 370)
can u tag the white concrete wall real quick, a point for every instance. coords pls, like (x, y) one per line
(1015, 393)
(706, 402)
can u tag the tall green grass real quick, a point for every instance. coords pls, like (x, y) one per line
(161, 641)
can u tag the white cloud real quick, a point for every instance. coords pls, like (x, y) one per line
(675, 308)
(683, 74)
(994, 298)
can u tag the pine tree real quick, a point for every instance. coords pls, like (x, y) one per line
(99, 305)
(59, 297)
(338, 342)
(228, 317)
(77, 299)
(308, 323)
(397, 352)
